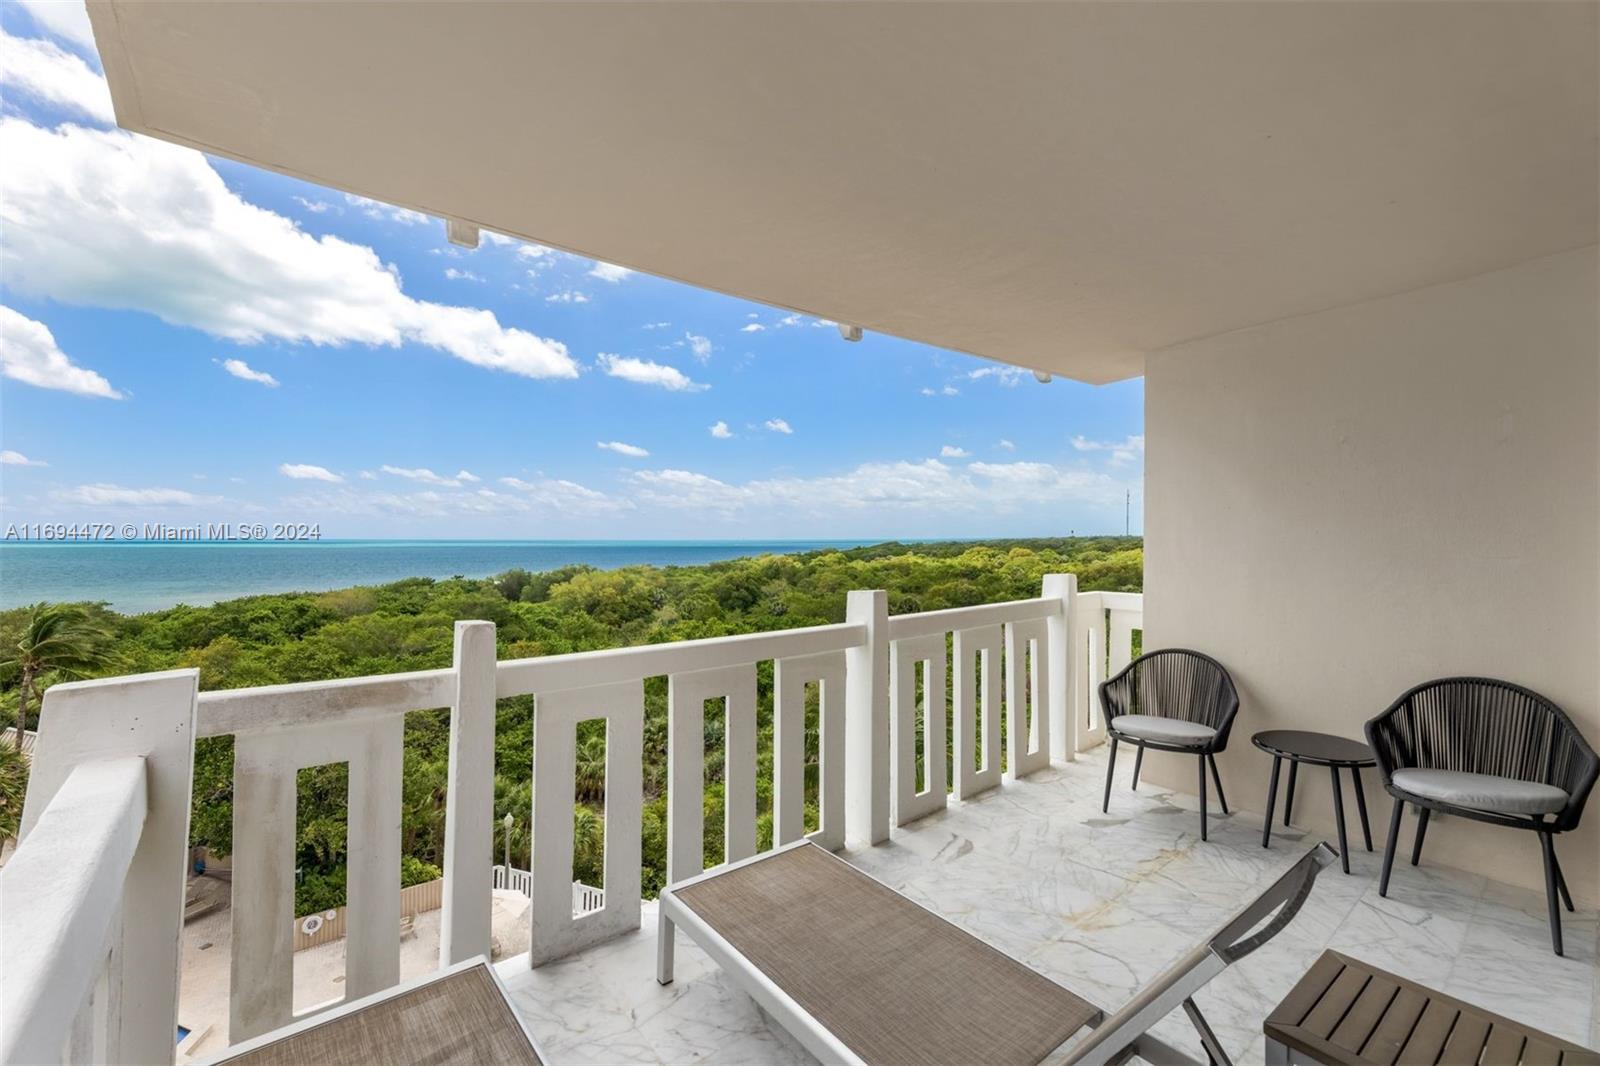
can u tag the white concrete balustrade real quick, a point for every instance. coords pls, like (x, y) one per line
(115, 756)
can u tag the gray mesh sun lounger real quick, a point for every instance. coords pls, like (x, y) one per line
(858, 973)
(460, 1016)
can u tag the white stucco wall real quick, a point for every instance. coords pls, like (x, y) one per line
(1343, 504)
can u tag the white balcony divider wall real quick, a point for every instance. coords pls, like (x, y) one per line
(115, 758)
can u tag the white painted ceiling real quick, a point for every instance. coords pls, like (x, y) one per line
(1060, 186)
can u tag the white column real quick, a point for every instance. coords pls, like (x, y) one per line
(977, 713)
(1027, 697)
(686, 776)
(788, 752)
(1063, 662)
(867, 720)
(908, 802)
(555, 930)
(739, 769)
(372, 913)
(262, 988)
(465, 924)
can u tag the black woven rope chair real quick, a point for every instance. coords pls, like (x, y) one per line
(1487, 750)
(1171, 700)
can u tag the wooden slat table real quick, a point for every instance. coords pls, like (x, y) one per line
(1345, 1012)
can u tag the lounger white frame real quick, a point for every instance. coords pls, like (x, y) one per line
(315, 1018)
(1111, 1039)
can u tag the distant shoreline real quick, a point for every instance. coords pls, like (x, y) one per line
(140, 576)
(131, 578)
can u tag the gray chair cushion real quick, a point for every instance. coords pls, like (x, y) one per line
(1164, 730)
(1481, 792)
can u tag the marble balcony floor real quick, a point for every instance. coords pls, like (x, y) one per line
(1102, 903)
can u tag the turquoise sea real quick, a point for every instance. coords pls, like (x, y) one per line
(137, 576)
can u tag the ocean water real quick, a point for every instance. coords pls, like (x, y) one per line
(134, 577)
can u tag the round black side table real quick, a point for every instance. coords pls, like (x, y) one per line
(1318, 749)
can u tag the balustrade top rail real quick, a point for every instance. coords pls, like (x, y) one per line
(271, 707)
(933, 623)
(79, 855)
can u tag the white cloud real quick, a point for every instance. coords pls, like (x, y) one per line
(383, 212)
(11, 458)
(644, 372)
(1005, 445)
(241, 369)
(630, 450)
(467, 476)
(721, 431)
(108, 219)
(550, 499)
(656, 325)
(778, 425)
(928, 392)
(55, 77)
(752, 327)
(950, 390)
(700, 346)
(950, 451)
(101, 495)
(428, 477)
(568, 497)
(67, 19)
(367, 475)
(931, 486)
(609, 272)
(28, 353)
(1127, 450)
(533, 251)
(1009, 376)
(460, 275)
(790, 320)
(316, 207)
(308, 472)
(570, 296)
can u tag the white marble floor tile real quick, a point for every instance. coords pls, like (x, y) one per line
(1102, 903)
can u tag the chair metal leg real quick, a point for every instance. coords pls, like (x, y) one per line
(1394, 842)
(1272, 799)
(1288, 797)
(1338, 818)
(1202, 797)
(1361, 805)
(1111, 767)
(1422, 831)
(1215, 1055)
(1561, 880)
(1550, 892)
(1138, 761)
(1221, 799)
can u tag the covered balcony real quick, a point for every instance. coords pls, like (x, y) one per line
(1352, 249)
(1015, 849)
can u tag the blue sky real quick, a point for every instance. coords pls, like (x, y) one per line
(186, 339)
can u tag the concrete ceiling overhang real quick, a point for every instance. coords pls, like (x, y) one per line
(1059, 186)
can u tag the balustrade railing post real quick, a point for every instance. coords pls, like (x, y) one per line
(152, 716)
(1063, 658)
(465, 924)
(867, 754)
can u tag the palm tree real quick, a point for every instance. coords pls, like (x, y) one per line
(588, 845)
(59, 639)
